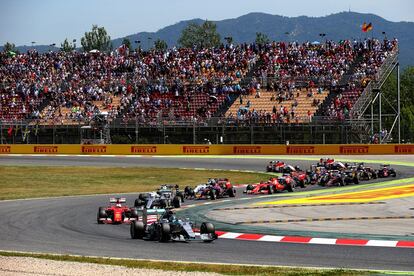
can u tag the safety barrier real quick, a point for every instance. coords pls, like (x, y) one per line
(354, 149)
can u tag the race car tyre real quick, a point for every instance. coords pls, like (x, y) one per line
(231, 192)
(137, 229)
(176, 202)
(289, 188)
(341, 182)
(356, 180)
(134, 213)
(302, 183)
(143, 197)
(270, 189)
(375, 175)
(393, 174)
(163, 203)
(101, 214)
(181, 195)
(139, 202)
(207, 228)
(212, 194)
(164, 232)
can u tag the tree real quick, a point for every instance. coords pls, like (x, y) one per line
(67, 46)
(160, 45)
(205, 35)
(9, 47)
(126, 42)
(407, 105)
(96, 39)
(262, 39)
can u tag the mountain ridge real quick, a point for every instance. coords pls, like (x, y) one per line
(337, 26)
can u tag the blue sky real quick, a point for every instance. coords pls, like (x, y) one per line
(51, 21)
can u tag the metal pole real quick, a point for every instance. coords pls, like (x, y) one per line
(136, 131)
(399, 103)
(372, 118)
(1, 131)
(194, 134)
(380, 117)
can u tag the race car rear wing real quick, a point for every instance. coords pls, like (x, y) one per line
(117, 200)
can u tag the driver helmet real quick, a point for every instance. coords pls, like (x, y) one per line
(297, 168)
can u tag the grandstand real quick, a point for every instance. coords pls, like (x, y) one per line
(278, 85)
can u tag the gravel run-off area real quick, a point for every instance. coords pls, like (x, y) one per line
(22, 266)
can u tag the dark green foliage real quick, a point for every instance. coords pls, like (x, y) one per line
(204, 35)
(96, 39)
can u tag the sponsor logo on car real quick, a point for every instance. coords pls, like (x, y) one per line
(45, 149)
(404, 149)
(5, 149)
(143, 149)
(196, 149)
(353, 149)
(300, 149)
(247, 150)
(93, 149)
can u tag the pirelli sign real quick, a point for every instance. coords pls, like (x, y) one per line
(300, 150)
(144, 149)
(247, 150)
(353, 149)
(94, 149)
(45, 149)
(405, 149)
(5, 149)
(196, 149)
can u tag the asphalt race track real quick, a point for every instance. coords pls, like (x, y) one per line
(68, 225)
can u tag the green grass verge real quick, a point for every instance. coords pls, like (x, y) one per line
(43, 181)
(192, 267)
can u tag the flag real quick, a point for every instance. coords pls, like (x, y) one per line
(10, 131)
(367, 27)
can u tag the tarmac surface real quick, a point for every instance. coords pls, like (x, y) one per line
(68, 225)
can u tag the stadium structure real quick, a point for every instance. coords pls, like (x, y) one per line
(281, 92)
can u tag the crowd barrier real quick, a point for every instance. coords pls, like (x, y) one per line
(354, 149)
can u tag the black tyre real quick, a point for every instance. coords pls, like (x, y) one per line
(139, 202)
(356, 180)
(164, 232)
(143, 197)
(270, 189)
(289, 188)
(212, 194)
(137, 230)
(176, 202)
(374, 175)
(207, 228)
(302, 183)
(134, 213)
(231, 192)
(101, 214)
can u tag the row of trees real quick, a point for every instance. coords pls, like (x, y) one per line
(194, 35)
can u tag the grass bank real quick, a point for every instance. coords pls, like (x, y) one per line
(194, 267)
(41, 181)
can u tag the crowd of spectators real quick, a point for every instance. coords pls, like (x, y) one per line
(179, 83)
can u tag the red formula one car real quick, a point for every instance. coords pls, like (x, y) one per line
(273, 185)
(275, 166)
(116, 212)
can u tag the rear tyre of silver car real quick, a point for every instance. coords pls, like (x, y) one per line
(165, 232)
(137, 229)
